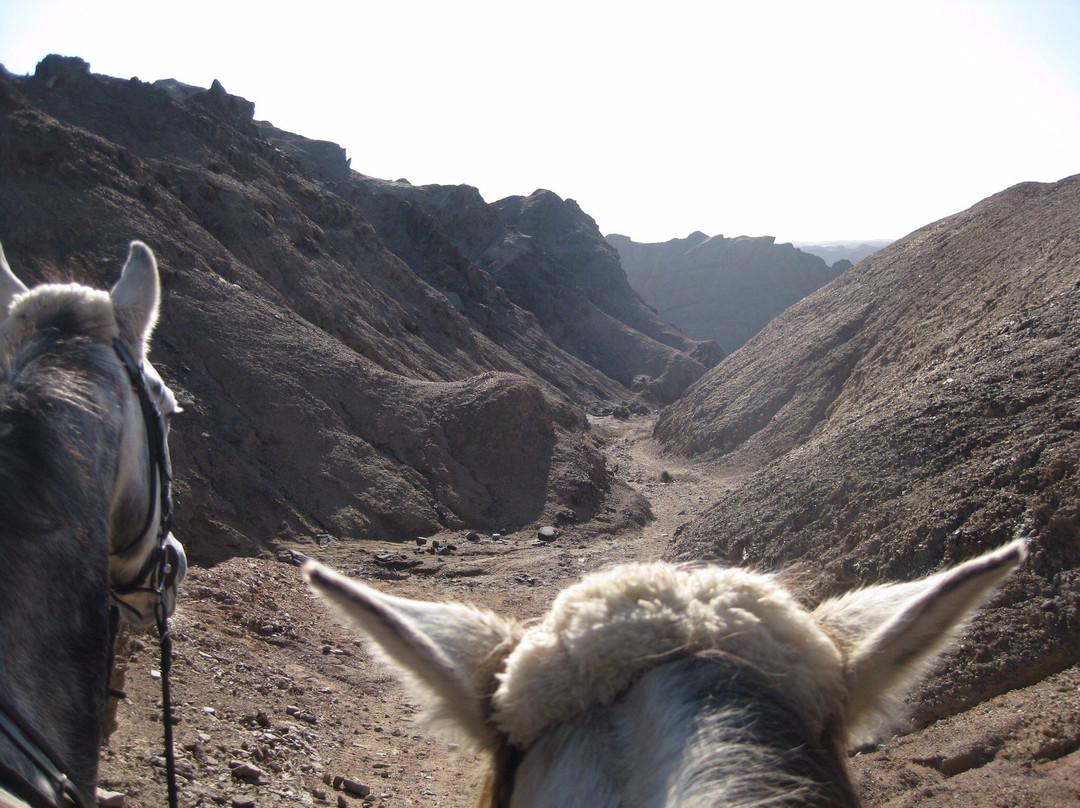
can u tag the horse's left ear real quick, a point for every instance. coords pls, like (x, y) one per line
(9, 285)
(135, 297)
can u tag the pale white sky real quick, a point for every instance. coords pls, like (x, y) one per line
(808, 121)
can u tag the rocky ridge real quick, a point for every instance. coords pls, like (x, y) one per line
(538, 255)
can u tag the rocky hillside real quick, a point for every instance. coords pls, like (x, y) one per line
(722, 289)
(355, 357)
(922, 407)
(537, 255)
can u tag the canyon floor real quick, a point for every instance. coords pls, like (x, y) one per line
(277, 703)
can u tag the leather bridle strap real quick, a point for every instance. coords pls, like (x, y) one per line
(161, 565)
(157, 444)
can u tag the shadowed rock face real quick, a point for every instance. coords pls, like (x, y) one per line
(330, 384)
(520, 264)
(722, 289)
(918, 409)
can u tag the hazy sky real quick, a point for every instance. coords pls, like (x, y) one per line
(806, 120)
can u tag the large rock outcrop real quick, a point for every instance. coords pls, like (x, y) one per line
(920, 408)
(328, 387)
(722, 289)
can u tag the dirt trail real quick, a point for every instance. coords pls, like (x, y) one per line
(677, 490)
(274, 697)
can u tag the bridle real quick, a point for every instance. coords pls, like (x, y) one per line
(158, 574)
(162, 565)
(34, 775)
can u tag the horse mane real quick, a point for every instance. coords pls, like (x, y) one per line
(754, 745)
(66, 307)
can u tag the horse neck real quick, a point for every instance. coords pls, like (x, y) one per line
(54, 647)
(58, 461)
(695, 733)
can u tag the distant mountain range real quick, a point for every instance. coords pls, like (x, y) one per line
(833, 251)
(722, 289)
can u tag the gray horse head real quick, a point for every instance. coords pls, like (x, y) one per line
(658, 686)
(81, 494)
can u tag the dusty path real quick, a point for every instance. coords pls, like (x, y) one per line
(274, 697)
(677, 490)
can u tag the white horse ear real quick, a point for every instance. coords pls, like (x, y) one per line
(890, 634)
(135, 297)
(449, 652)
(10, 286)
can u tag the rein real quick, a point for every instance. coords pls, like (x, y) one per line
(34, 776)
(162, 566)
(160, 464)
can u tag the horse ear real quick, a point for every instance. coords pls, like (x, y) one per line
(135, 297)
(890, 634)
(449, 652)
(9, 285)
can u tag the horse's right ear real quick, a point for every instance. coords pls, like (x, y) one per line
(10, 286)
(135, 297)
(449, 652)
(890, 634)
